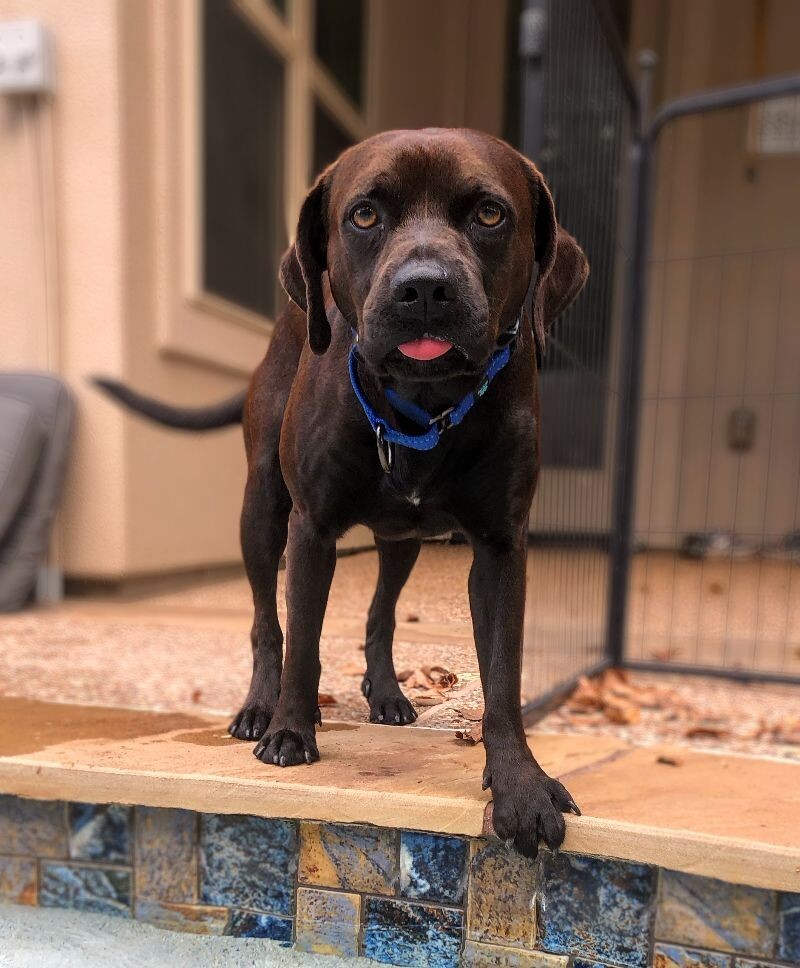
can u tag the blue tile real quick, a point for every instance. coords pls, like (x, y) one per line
(502, 888)
(249, 924)
(600, 909)
(789, 934)
(328, 922)
(166, 855)
(248, 862)
(674, 956)
(103, 890)
(99, 832)
(399, 933)
(702, 912)
(350, 856)
(433, 867)
(192, 918)
(32, 827)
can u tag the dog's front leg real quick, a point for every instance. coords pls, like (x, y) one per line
(528, 804)
(310, 563)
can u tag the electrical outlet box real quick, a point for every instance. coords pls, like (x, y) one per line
(26, 58)
(741, 429)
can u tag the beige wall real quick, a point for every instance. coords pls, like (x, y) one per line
(60, 255)
(96, 221)
(439, 63)
(98, 270)
(725, 287)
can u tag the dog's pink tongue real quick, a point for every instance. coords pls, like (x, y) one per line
(425, 349)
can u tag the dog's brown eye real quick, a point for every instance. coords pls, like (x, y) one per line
(490, 215)
(364, 216)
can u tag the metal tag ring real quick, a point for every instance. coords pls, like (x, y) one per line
(385, 450)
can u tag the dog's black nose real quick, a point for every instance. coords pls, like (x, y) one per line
(422, 290)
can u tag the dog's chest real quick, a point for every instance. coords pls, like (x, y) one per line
(410, 504)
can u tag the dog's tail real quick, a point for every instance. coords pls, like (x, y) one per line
(222, 414)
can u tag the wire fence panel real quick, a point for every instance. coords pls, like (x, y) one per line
(578, 112)
(715, 578)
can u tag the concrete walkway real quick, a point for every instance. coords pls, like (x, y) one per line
(49, 938)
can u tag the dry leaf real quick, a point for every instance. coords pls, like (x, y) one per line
(325, 699)
(404, 674)
(706, 730)
(473, 713)
(428, 677)
(412, 618)
(622, 713)
(440, 677)
(473, 735)
(429, 699)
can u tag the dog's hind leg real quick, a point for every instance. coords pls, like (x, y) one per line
(265, 516)
(387, 704)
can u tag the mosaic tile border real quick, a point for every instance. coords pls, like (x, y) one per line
(401, 897)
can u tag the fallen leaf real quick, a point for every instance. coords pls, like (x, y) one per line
(473, 713)
(325, 699)
(428, 700)
(404, 674)
(622, 713)
(473, 735)
(412, 618)
(440, 677)
(707, 731)
(428, 677)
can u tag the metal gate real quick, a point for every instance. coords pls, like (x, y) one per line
(611, 579)
(578, 118)
(709, 493)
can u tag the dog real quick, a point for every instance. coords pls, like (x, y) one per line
(399, 391)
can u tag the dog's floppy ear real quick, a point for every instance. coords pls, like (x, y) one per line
(563, 267)
(306, 260)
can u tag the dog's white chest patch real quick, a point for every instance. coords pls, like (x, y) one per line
(414, 498)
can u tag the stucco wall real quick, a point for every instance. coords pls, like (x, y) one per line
(95, 223)
(96, 242)
(61, 293)
(724, 286)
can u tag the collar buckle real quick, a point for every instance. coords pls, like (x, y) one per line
(443, 421)
(385, 449)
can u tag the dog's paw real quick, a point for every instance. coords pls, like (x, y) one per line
(528, 807)
(251, 721)
(287, 747)
(392, 709)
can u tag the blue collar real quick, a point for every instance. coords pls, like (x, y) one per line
(433, 426)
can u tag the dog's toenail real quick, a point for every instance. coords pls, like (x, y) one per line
(283, 761)
(308, 757)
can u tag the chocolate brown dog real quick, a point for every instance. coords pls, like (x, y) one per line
(424, 250)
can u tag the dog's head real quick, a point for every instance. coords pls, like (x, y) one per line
(430, 240)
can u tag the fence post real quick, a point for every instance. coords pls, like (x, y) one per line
(630, 371)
